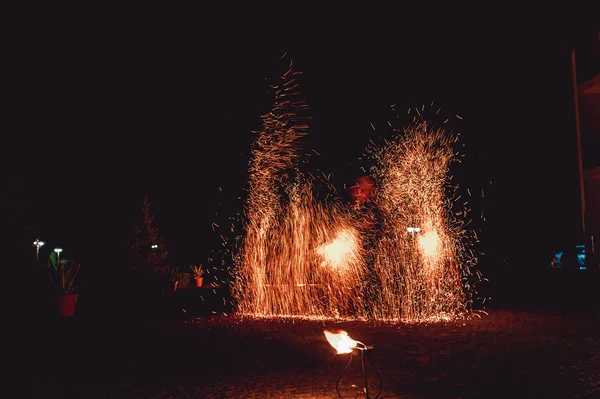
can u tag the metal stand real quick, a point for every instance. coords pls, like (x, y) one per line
(365, 389)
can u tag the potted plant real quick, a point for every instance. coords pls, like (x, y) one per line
(198, 273)
(63, 274)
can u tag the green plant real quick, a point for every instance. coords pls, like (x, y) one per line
(63, 275)
(197, 270)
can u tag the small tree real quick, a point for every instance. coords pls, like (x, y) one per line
(148, 249)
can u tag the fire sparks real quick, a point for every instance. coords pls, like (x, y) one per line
(304, 257)
(288, 263)
(418, 273)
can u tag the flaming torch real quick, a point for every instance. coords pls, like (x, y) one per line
(343, 344)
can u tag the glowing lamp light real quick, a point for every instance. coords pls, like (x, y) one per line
(413, 230)
(154, 246)
(342, 342)
(58, 251)
(38, 244)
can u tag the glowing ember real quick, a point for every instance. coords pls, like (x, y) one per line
(430, 244)
(342, 342)
(342, 252)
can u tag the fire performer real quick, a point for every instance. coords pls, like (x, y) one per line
(365, 211)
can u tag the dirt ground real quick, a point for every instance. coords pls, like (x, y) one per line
(499, 355)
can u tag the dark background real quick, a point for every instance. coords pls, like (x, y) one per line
(104, 108)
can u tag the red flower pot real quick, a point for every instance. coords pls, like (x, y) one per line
(199, 281)
(66, 304)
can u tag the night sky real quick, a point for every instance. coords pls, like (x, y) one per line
(103, 110)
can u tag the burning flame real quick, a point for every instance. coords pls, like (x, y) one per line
(342, 342)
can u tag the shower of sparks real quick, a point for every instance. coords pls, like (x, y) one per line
(291, 268)
(308, 258)
(418, 275)
(299, 257)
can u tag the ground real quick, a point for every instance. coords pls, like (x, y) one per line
(504, 353)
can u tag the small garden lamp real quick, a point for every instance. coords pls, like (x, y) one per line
(413, 230)
(38, 244)
(58, 251)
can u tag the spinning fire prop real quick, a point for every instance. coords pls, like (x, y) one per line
(343, 344)
(302, 257)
